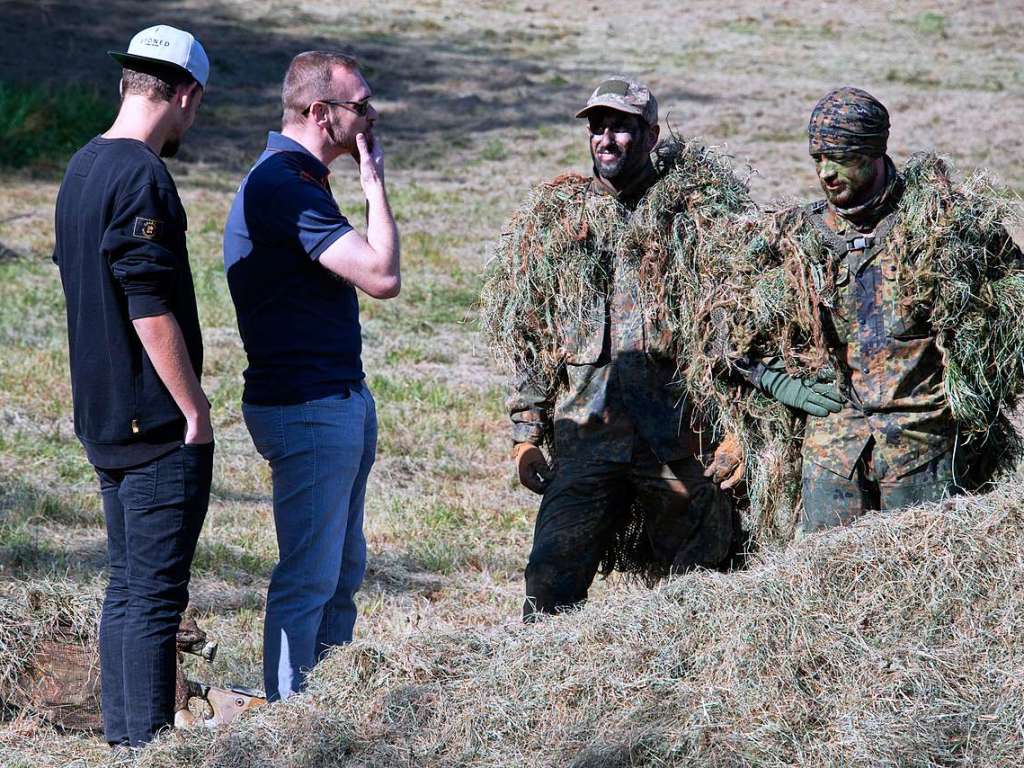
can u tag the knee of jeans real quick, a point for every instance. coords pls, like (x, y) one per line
(551, 584)
(116, 596)
(163, 601)
(315, 588)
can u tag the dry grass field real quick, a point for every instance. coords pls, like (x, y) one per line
(476, 101)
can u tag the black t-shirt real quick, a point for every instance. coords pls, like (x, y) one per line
(120, 247)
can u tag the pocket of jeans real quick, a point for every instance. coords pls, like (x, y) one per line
(198, 450)
(265, 428)
(138, 488)
(332, 400)
(197, 474)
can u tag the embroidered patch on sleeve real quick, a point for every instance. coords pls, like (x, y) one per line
(147, 229)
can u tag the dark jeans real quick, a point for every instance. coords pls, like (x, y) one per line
(689, 522)
(154, 513)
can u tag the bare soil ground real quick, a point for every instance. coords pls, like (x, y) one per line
(477, 102)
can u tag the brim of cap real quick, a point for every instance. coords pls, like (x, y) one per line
(610, 103)
(128, 58)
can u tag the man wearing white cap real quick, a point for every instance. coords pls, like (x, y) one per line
(136, 358)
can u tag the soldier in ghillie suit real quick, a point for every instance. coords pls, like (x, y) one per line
(895, 322)
(580, 309)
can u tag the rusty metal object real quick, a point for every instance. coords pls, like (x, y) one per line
(225, 704)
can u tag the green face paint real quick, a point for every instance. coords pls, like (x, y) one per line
(848, 179)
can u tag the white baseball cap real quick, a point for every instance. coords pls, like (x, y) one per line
(167, 45)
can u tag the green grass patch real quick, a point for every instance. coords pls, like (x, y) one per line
(426, 249)
(64, 459)
(916, 78)
(408, 354)
(44, 125)
(26, 551)
(31, 305)
(439, 535)
(424, 392)
(438, 554)
(930, 24)
(425, 302)
(743, 26)
(21, 501)
(494, 150)
(229, 560)
(429, 419)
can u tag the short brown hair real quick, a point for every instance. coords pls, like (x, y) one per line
(156, 83)
(308, 79)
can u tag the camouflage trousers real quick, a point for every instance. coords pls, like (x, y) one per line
(688, 521)
(830, 499)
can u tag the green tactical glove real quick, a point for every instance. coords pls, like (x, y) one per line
(814, 397)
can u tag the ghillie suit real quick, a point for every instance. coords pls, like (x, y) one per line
(747, 294)
(553, 257)
(952, 280)
(566, 257)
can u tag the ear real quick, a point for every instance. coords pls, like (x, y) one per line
(653, 132)
(120, 88)
(189, 96)
(318, 113)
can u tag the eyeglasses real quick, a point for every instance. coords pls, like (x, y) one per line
(359, 107)
(615, 126)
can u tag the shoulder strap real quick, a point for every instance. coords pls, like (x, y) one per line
(815, 214)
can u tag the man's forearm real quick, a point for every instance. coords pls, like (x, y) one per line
(163, 341)
(382, 232)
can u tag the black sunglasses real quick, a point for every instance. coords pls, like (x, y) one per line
(359, 107)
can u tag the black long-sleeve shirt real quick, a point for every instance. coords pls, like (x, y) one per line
(120, 247)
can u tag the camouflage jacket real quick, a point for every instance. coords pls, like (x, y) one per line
(893, 376)
(616, 383)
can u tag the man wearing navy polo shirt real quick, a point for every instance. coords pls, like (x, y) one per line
(293, 263)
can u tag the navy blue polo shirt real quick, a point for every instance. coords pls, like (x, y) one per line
(299, 321)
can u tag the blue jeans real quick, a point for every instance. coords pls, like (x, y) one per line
(154, 513)
(320, 453)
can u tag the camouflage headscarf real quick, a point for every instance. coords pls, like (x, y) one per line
(848, 120)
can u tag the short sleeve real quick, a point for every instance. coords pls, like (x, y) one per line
(144, 245)
(314, 214)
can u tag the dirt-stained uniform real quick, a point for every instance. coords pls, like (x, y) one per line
(620, 433)
(896, 428)
(895, 442)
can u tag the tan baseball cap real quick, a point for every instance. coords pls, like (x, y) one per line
(624, 94)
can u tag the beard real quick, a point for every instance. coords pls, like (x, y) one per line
(609, 169)
(622, 166)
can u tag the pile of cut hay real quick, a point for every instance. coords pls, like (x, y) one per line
(894, 642)
(35, 612)
(49, 660)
